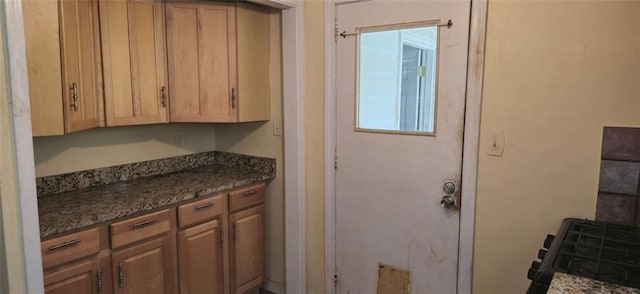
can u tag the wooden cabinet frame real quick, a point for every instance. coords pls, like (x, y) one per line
(218, 54)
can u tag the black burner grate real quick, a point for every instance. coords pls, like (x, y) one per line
(601, 251)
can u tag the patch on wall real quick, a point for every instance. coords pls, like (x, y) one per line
(393, 280)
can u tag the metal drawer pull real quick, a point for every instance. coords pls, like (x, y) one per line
(235, 232)
(64, 245)
(233, 97)
(249, 193)
(163, 95)
(221, 238)
(99, 276)
(74, 96)
(203, 206)
(120, 275)
(144, 223)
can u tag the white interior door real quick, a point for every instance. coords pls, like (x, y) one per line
(400, 116)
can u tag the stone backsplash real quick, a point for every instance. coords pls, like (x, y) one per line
(619, 187)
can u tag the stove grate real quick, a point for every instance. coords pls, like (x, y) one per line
(601, 251)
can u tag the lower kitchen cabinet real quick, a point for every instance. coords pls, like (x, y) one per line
(247, 249)
(145, 268)
(87, 276)
(219, 249)
(77, 263)
(201, 258)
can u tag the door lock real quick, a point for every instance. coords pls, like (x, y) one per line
(449, 202)
(449, 187)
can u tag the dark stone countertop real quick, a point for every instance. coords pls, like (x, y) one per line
(68, 211)
(568, 284)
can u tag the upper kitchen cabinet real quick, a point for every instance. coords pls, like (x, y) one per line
(63, 59)
(218, 59)
(134, 56)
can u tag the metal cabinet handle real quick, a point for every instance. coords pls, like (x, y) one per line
(249, 193)
(120, 275)
(64, 244)
(233, 97)
(74, 96)
(163, 96)
(235, 231)
(206, 205)
(144, 223)
(221, 238)
(99, 277)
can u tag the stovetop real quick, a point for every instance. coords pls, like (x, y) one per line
(596, 250)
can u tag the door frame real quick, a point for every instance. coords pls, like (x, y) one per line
(475, 72)
(294, 148)
(19, 212)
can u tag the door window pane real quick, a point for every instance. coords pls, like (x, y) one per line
(397, 80)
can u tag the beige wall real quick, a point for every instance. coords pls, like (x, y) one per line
(112, 146)
(314, 141)
(555, 74)
(258, 139)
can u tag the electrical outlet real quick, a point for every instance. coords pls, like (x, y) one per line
(277, 127)
(497, 144)
(179, 137)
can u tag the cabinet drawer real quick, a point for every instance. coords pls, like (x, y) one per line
(139, 228)
(196, 212)
(246, 197)
(70, 247)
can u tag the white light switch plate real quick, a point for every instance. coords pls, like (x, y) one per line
(277, 127)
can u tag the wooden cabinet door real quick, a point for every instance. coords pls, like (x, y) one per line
(42, 42)
(84, 277)
(201, 44)
(247, 249)
(133, 48)
(200, 258)
(145, 268)
(81, 72)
